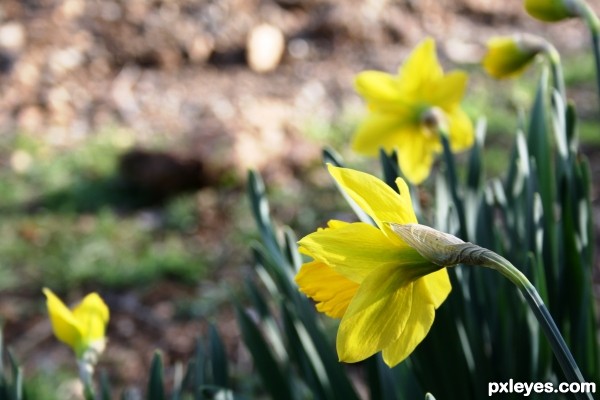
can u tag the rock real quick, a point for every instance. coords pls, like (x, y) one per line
(12, 36)
(264, 48)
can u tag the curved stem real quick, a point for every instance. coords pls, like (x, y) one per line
(557, 71)
(446, 250)
(593, 23)
(492, 260)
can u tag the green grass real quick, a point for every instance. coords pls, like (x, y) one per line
(62, 227)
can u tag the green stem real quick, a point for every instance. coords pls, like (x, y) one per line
(596, 50)
(593, 23)
(446, 250)
(86, 373)
(492, 260)
(557, 71)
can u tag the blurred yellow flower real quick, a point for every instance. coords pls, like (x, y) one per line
(82, 328)
(383, 290)
(508, 56)
(400, 106)
(551, 10)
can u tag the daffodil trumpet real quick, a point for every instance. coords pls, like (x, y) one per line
(447, 250)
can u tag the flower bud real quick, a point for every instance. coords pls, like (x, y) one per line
(437, 247)
(508, 56)
(83, 328)
(551, 10)
(441, 248)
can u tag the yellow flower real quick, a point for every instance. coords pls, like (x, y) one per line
(399, 108)
(383, 290)
(551, 10)
(508, 56)
(84, 327)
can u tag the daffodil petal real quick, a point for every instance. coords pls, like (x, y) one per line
(438, 286)
(375, 197)
(378, 130)
(64, 324)
(417, 157)
(357, 249)
(420, 68)
(449, 90)
(331, 291)
(420, 319)
(377, 314)
(378, 87)
(462, 134)
(92, 315)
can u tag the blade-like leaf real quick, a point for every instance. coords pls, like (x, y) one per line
(274, 378)
(218, 358)
(156, 390)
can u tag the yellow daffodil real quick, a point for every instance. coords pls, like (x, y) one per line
(508, 56)
(399, 108)
(551, 10)
(83, 328)
(384, 291)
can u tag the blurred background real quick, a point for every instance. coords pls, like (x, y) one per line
(127, 128)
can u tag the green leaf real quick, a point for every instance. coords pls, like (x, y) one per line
(304, 355)
(331, 156)
(540, 148)
(105, 388)
(275, 379)
(156, 390)
(16, 388)
(390, 168)
(476, 168)
(281, 275)
(260, 210)
(290, 249)
(380, 380)
(258, 301)
(218, 358)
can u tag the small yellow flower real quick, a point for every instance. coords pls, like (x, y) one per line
(82, 328)
(508, 56)
(384, 291)
(399, 106)
(551, 10)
